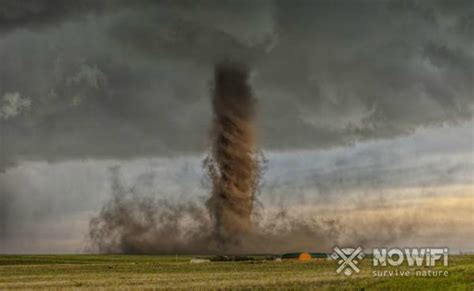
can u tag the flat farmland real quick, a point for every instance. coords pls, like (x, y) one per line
(73, 272)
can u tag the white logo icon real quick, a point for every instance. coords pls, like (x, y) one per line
(348, 259)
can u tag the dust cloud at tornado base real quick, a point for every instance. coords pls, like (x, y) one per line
(134, 223)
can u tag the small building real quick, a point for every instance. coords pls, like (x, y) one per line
(305, 255)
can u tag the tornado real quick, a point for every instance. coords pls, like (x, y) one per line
(232, 162)
(130, 223)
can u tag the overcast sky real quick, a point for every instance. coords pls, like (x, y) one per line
(358, 100)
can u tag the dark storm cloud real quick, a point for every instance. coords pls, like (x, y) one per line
(36, 14)
(121, 79)
(5, 201)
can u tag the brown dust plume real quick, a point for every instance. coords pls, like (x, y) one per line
(232, 164)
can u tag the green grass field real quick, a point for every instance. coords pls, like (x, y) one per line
(168, 272)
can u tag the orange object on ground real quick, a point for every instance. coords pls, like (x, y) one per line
(304, 257)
